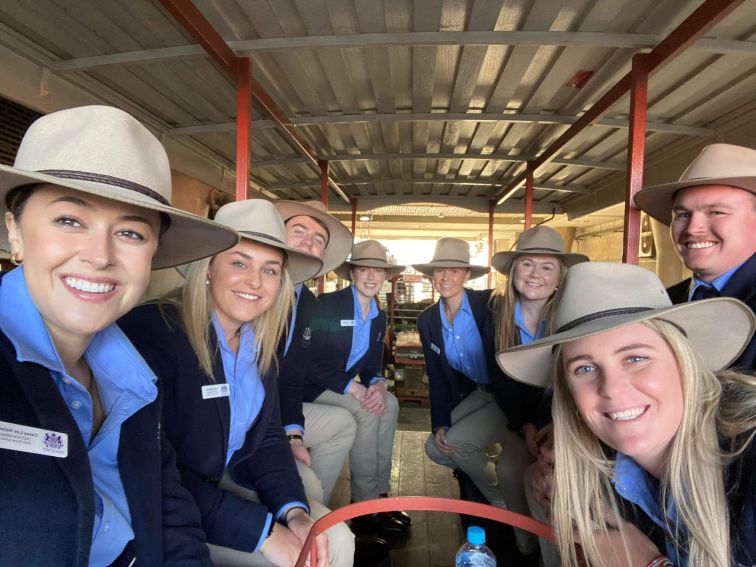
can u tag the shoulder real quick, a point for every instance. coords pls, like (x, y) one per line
(678, 293)
(153, 326)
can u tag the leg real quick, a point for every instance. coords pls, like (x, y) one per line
(312, 486)
(340, 538)
(510, 470)
(363, 457)
(386, 430)
(549, 551)
(329, 435)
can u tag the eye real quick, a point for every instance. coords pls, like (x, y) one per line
(239, 264)
(717, 213)
(681, 214)
(68, 221)
(131, 235)
(270, 271)
(635, 358)
(583, 369)
(320, 241)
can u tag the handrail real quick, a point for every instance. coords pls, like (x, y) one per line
(424, 503)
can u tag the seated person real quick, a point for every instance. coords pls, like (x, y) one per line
(213, 347)
(654, 453)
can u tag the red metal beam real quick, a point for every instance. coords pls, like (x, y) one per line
(709, 14)
(491, 205)
(323, 182)
(353, 202)
(636, 146)
(243, 127)
(529, 196)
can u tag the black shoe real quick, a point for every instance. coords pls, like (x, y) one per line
(403, 517)
(371, 551)
(380, 522)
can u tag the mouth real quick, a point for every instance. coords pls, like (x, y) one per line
(88, 286)
(246, 296)
(626, 415)
(700, 245)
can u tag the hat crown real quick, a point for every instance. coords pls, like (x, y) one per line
(256, 217)
(368, 250)
(99, 144)
(452, 249)
(540, 238)
(721, 160)
(591, 289)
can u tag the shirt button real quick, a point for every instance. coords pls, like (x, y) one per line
(76, 404)
(66, 381)
(107, 526)
(457, 337)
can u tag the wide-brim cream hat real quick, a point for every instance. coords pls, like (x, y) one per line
(106, 152)
(536, 240)
(339, 238)
(257, 220)
(452, 253)
(717, 164)
(371, 254)
(598, 296)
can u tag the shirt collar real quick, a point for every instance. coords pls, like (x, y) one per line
(719, 282)
(519, 319)
(372, 314)
(246, 333)
(463, 308)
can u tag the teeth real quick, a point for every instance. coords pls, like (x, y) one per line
(89, 287)
(247, 296)
(627, 414)
(698, 245)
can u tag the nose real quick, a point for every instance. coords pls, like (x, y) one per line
(97, 250)
(696, 223)
(253, 279)
(612, 383)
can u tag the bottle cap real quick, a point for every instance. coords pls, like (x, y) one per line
(476, 535)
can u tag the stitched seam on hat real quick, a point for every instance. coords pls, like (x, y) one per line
(108, 180)
(600, 315)
(369, 258)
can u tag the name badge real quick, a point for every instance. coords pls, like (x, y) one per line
(33, 440)
(435, 349)
(348, 323)
(215, 391)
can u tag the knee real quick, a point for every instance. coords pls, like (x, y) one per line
(392, 405)
(340, 545)
(344, 423)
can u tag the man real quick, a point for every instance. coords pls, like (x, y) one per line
(711, 212)
(320, 436)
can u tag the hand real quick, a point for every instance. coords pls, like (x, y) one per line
(531, 433)
(375, 399)
(300, 451)
(301, 524)
(357, 390)
(281, 547)
(542, 477)
(612, 551)
(439, 440)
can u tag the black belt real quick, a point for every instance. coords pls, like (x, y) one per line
(127, 557)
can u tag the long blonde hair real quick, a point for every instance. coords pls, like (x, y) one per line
(503, 301)
(722, 404)
(196, 304)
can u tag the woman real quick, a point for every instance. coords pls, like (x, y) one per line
(654, 451)
(353, 327)
(534, 270)
(213, 346)
(85, 476)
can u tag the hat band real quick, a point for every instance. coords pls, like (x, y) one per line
(540, 249)
(600, 315)
(261, 235)
(353, 260)
(107, 180)
(463, 262)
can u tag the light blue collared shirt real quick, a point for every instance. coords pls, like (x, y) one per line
(716, 283)
(246, 390)
(525, 335)
(636, 485)
(361, 336)
(125, 383)
(463, 344)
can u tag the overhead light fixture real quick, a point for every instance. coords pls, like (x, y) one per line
(364, 218)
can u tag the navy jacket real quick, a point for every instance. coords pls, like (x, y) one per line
(334, 344)
(199, 429)
(298, 360)
(742, 286)
(47, 503)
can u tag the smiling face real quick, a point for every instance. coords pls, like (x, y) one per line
(628, 389)
(307, 235)
(86, 259)
(536, 276)
(244, 282)
(714, 228)
(450, 282)
(368, 281)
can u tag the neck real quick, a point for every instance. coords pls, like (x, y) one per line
(533, 308)
(230, 329)
(364, 301)
(70, 348)
(452, 304)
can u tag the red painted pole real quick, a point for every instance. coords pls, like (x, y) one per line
(243, 126)
(529, 197)
(636, 146)
(491, 205)
(323, 199)
(353, 202)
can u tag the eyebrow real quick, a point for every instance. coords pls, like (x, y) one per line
(622, 349)
(87, 205)
(716, 205)
(248, 257)
(323, 234)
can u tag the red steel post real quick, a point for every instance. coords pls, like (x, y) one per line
(323, 199)
(491, 205)
(243, 127)
(353, 202)
(636, 146)
(529, 197)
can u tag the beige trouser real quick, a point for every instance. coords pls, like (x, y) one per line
(549, 551)
(477, 422)
(329, 435)
(370, 457)
(340, 538)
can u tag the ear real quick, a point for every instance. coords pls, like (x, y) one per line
(14, 234)
(468, 274)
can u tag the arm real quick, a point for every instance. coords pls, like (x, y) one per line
(439, 392)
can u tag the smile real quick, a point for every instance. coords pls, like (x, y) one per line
(699, 245)
(247, 296)
(87, 286)
(626, 415)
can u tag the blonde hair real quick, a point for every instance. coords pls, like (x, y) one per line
(721, 404)
(503, 301)
(196, 305)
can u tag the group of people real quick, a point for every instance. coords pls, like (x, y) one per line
(211, 425)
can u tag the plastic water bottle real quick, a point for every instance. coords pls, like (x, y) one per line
(475, 553)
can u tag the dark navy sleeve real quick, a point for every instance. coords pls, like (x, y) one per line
(329, 367)
(440, 397)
